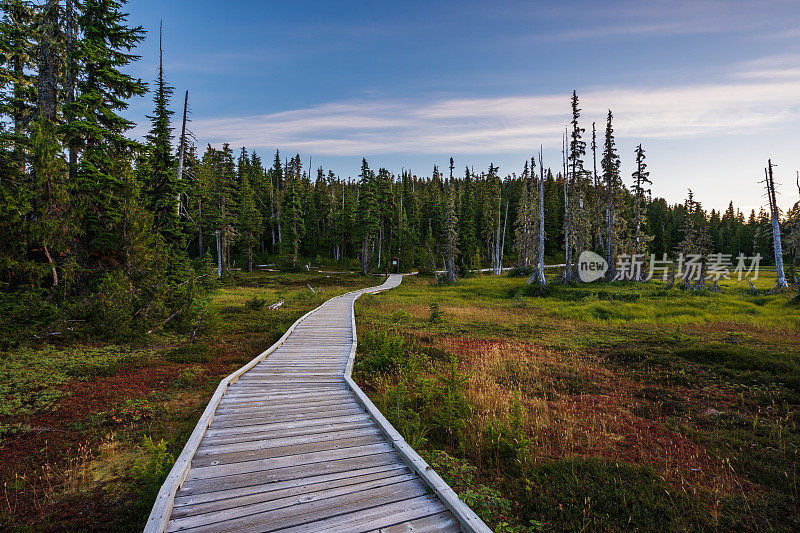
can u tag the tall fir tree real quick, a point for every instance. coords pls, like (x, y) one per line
(696, 244)
(161, 188)
(292, 219)
(614, 199)
(450, 236)
(641, 179)
(577, 223)
(98, 128)
(367, 214)
(526, 223)
(467, 240)
(249, 219)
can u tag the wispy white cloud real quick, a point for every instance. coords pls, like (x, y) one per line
(675, 17)
(752, 102)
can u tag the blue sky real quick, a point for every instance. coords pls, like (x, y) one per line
(710, 88)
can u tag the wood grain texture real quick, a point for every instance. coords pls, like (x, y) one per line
(290, 443)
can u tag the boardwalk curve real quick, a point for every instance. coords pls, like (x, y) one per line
(289, 442)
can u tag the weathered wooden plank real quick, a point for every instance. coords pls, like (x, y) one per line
(274, 452)
(236, 407)
(343, 478)
(296, 512)
(265, 477)
(261, 417)
(287, 461)
(291, 396)
(285, 433)
(208, 450)
(285, 425)
(303, 497)
(373, 517)
(289, 392)
(439, 523)
(293, 488)
(272, 408)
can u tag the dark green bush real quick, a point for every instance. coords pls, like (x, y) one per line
(380, 351)
(255, 303)
(189, 353)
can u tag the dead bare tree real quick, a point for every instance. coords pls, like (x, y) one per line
(598, 217)
(780, 283)
(537, 276)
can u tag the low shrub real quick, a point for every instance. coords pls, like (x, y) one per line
(151, 469)
(255, 303)
(195, 352)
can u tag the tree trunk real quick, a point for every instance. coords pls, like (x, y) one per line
(219, 253)
(598, 217)
(496, 258)
(540, 263)
(780, 275)
(380, 246)
(567, 215)
(181, 150)
(365, 254)
(48, 64)
(503, 244)
(200, 227)
(53, 271)
(69, 80)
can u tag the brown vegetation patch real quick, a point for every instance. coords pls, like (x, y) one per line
(577, 407)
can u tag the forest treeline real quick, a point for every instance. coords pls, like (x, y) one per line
(107, 234)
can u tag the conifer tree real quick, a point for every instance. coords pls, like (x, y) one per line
(489, 220)
(696, 243)
(614, 198)
(98, 128)
(598, 234)
(17, 93)
(293, 220)
(276, 199)
(577, 223)
(224, 205)
(641, 179)
(385, 210)
(450, 237)
(17, 61)
(367, 213)
(161, 187)
(526, 220)
(249, 220)
(793, 224)
(52, 225)
(538, 276)
(467, 240)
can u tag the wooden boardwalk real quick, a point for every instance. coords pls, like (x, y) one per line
(290, 443)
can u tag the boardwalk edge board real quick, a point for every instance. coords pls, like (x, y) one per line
(162, 508)
(469, 521)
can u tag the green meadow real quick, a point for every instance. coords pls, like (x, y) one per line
(601, 406)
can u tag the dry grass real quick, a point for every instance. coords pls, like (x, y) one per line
(612, 388)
